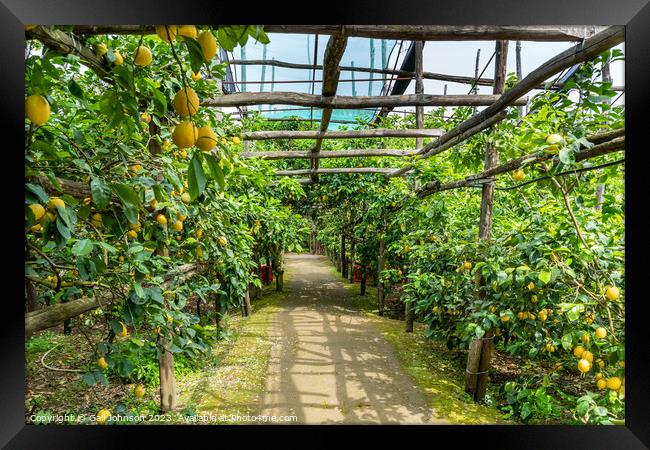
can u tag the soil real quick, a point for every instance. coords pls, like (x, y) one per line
(329, 363)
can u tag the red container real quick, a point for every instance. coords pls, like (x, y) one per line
(356, 273)
(267, 274)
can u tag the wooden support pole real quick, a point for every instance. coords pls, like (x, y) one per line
(485, 229)
(168, 395)
(419, 89)
(587, 50)
(541, 33)
(380, 268)
(352, 255)
(520, 109)
(344, 259)
(337, 170)
(349, 102)
(345, 134)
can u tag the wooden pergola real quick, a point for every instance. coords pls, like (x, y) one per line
(592, 41)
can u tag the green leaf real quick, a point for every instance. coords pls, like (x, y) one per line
(567, 341)
(127, 195)
(82, 247)
(544, 276)
(101, 192)
(89, 378)
(75, 89)
(195, 52)
(40, 193)
(197, 181)
(63, 230)
(215, 169)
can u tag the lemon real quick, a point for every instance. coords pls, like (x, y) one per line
(102, 416)
(552, 149)
(207, 140)
(578, 351)
(600, 333)
(139, 391)
(162, 220)
(121, 258)
(97, 220)
(585, 338)
(184, 135)
(135, 226)
(505, 318)
(166, 32)
(101, 49)
(118, 58)
(599, 376)
(132, 234)
(186, 102)
(37, 109)
(145, 117)
(185, 198)
(37, 210)
(199, 233)
(54, 203)
(208, 44)
(222, 241)
(552, 139)
(181, 217)
(613, 383)
(518, 175)
(542, 316)
(178, 226)
(601, 384)
(183, 154)
(36, 228)
(236, 140)
(199, 252)
(188, 31)
(550, 348)
(101, 362)
(196, 76)
(588, 356)
(142, 56)
(584, 365)
(467, 265)
(124, 331)
(531, 286)
(612, 293)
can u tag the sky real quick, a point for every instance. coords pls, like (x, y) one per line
(447, 57)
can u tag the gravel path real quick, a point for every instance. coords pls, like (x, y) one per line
(328, 363)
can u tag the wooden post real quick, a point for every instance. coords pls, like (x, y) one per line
(478, 358)
(419, 89)
(364, 277)
(380, 285)
(352, 245)
(476, 67)
(166, 372)
(344, 261)
(247, 302)
(520, 109)
(600, 189)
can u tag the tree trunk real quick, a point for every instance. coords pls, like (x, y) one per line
(32, 296)
(380, 285)
(352, 260)
(279, 281)
(409, 315)
(198, 308)
(247, 303)
(363, 281)
(344, 261)
(168, 395)
(473, 362)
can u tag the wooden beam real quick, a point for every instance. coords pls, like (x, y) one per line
(65, 44)
(349, 102)
(400, 73)
(331, 72)
(336, 170)
(614, 145)
(328, 154)
(587, 50)
(347, 134)
(542, 33)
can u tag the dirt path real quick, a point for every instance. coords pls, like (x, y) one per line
(329, 364)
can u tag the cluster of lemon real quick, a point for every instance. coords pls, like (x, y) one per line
(553, 142)
(41, 213)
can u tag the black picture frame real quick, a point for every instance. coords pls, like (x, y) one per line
(634, 14)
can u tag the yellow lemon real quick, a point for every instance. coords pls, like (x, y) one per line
(199, 233)
(118, 58)
(585, 338)
(236, 140)
(188, 31)
(601, 384)
(135, 226)
(37, 109)
(162, 220)
(552, 149)
(600, 333)
(196, 76)
(578, 351)
(552, 139)
(36, 228)
(550, 348)
(166, 32)
(101, 362)
(584, 365)
(614, 383)
(505, 318)
(588, 356)
(207, 139)
(208, 44)
(102, 416)
(145, 117)
(612, 293)
(139, 391)
(101, 49)
(199, 252)
(142, 56)
(222, 241)
(132, 234)
(54, 203)
(531, 286)
(185, 198)
(186, 102)
(184, 135)
(124, 331)
(518, 175)
(37, 210)
(97, 220)
(121, 258)
(178, 226)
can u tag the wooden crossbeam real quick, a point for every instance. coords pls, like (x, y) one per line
(347, 134)
(542, 33)
(331, 71)
(350, 102)
(397, 72)
(336, 170)
(329, 154)
(588, 49)
(614, 145)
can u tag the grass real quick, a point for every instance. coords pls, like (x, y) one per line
(429, 364)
